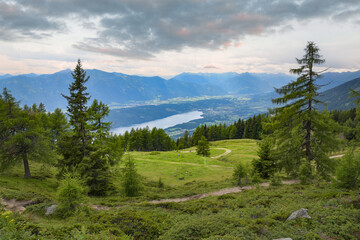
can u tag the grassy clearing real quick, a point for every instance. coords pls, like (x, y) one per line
(242, 150)
(177, 168)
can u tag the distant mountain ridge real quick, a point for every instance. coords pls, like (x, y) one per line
(121, 89)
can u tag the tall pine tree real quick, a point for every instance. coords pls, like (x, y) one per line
(84, 148)
(302, 132)
(76, 146)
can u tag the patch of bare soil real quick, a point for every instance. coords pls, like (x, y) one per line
(16, 206)
(337, 156)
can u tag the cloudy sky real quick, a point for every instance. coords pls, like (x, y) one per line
(167, 37)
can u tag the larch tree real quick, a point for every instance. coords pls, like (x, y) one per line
(301, 132)
(22, 135)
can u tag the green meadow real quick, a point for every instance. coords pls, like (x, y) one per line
(259, 213)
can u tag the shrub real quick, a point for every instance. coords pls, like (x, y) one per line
(240, 174)
(160, 183)
(70, 192)
(139, 225)
(305, 173)
(255, 178)
(275, 180)
(265, 164)
(348, 171)
(131, 179)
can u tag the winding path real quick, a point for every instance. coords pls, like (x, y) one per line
(217, 193)
(227, 151)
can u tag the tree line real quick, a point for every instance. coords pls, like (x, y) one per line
(250, 128)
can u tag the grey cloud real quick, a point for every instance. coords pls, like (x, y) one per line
(142, 28)
(19, 23)
(107, 49)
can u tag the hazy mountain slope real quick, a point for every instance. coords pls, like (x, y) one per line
(339, 97)
(237, 83)
(333, 79)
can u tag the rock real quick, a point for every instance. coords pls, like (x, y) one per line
(283, 239)
(302, 213)
(50, 210)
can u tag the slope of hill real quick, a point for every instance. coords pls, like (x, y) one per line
(339, 97)
(237, 83)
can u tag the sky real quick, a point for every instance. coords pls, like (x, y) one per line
(167, 37)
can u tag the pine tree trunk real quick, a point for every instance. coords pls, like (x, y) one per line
(308, 122)
(26, 165)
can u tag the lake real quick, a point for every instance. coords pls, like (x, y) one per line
(163, 122)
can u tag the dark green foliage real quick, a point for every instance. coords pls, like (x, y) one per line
(97, 113)
(142, 139)
(203, 147)
(95, 170)
(348, 170)
(250, 128)
(202, 227)
(131, 180)
(58, 125)
(70, 192)
(139, 225)
(265, 164)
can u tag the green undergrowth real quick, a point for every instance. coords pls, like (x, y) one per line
(260, 213)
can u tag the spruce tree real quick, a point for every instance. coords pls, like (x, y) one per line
(76, 146)
(302, 132)
(203, 147)
(265, 165)
(84, 149)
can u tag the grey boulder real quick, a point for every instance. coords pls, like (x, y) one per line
(50, 210)
(302, 213)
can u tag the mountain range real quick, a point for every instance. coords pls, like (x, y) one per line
(118, 89)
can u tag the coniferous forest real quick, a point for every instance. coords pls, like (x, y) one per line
(64, 175)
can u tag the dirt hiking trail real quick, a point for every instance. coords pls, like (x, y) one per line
(218, 193)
